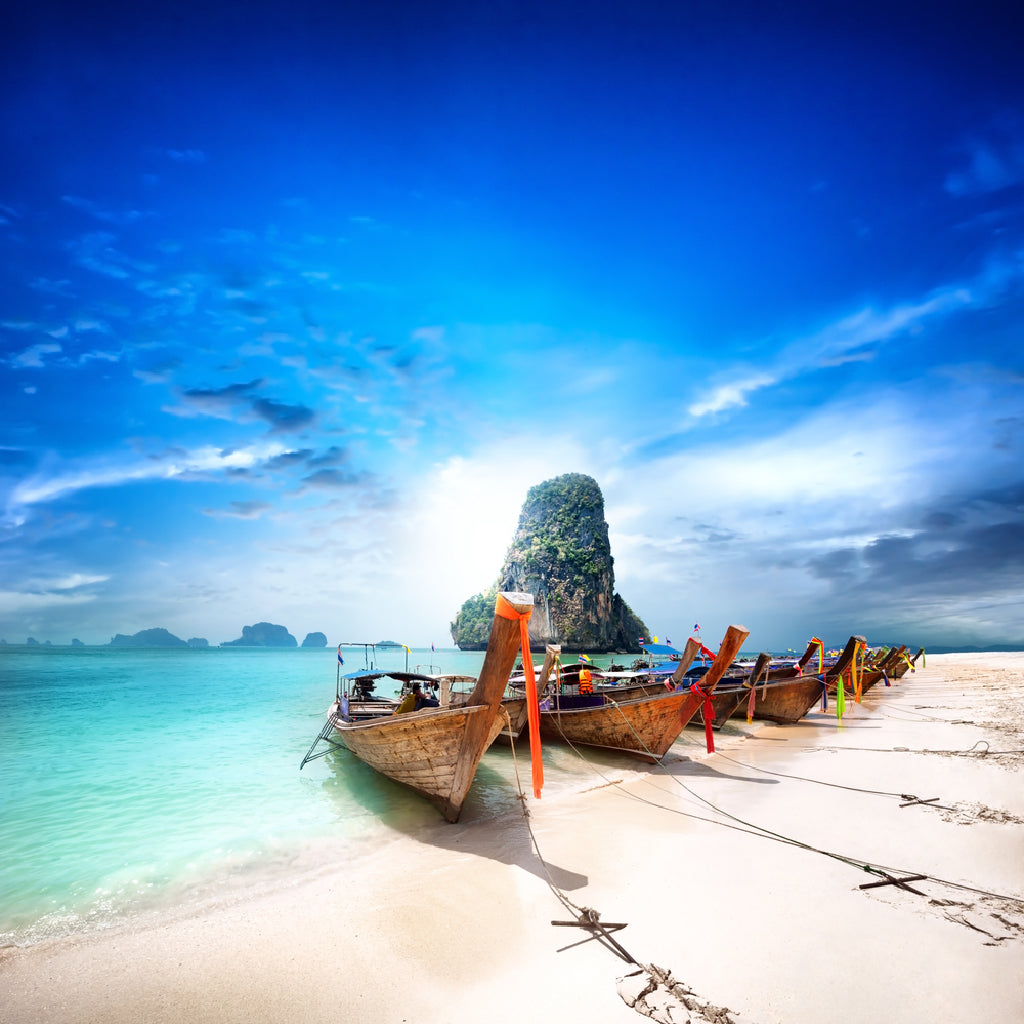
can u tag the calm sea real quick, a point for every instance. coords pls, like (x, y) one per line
(132, 779)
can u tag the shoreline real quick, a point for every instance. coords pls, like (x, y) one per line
(453, 923)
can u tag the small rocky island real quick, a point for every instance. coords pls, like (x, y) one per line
(561, 555)
(158, 637)
(263, 634)
(315, 640)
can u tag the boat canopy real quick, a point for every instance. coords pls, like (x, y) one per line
(660, 649)
(365, 674)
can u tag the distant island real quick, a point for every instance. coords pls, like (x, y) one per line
(263, 634)
(158, 637)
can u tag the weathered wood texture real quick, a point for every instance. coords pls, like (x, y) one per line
(646, 726)
(906, 665)
(781, 700)
(836, 672)
(436, 750)
(799, 669)
(724, 701)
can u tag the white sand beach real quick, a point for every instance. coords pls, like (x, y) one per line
(453, 924)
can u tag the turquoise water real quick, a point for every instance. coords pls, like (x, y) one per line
(130, 778)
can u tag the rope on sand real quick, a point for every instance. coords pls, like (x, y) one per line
(908, 798)
(880, 871)
(651, 990)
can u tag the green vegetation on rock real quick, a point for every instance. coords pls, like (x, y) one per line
(561, 555)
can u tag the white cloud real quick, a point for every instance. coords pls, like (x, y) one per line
(33, 356)
(19, 603)
(166, 467)
(853, 338)
(727, 396)
(76, 580)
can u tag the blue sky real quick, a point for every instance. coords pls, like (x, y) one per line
(297, 301)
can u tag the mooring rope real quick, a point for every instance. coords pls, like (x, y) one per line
(820, 782)
(759, 830)
(631, 988)
(583, 913)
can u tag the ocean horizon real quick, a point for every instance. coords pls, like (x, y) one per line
(141, 778)
(135, 779)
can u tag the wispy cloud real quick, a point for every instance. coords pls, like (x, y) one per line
(120, 217)
(856, 337)
(283, 418)
(34, 355)
(19, 602)
(728, 396)
(239, 510)
(231, 402)
(50, 594)
(992, 165)
(95, 251)
(166, 466)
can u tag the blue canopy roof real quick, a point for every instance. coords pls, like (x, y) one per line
(660, 649)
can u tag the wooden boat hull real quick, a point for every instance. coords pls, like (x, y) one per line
(723, 702)
(905, 665)
(421, 750)
(435, 751)
(518, 716)
(645, 726)
(782, 700)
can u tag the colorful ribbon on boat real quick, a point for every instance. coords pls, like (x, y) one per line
(705, 653)
(857, 670)
(824, 692)
(821, 653)
(840, 698)
(506, 611)
(708, 711)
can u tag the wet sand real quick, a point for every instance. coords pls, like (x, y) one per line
(453, 923)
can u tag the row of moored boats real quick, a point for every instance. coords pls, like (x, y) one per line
(435, 746)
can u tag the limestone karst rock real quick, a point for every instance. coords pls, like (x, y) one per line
(263, 634)
(561, 555)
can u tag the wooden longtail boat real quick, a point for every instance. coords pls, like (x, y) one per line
(907, 664)
(788, 700)
(724, 697)
(646, 726)
(880, 669)
(800, 668)
(834, 673)
(436, 751)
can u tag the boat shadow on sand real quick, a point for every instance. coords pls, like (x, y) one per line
(683, 766)
(491, 825)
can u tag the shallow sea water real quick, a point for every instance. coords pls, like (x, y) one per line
(136, 779)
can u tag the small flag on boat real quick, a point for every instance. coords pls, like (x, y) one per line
(341, 660)
(431, 647)
(584, 658)
(696, 626)
(641, 641)
(669, 642)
